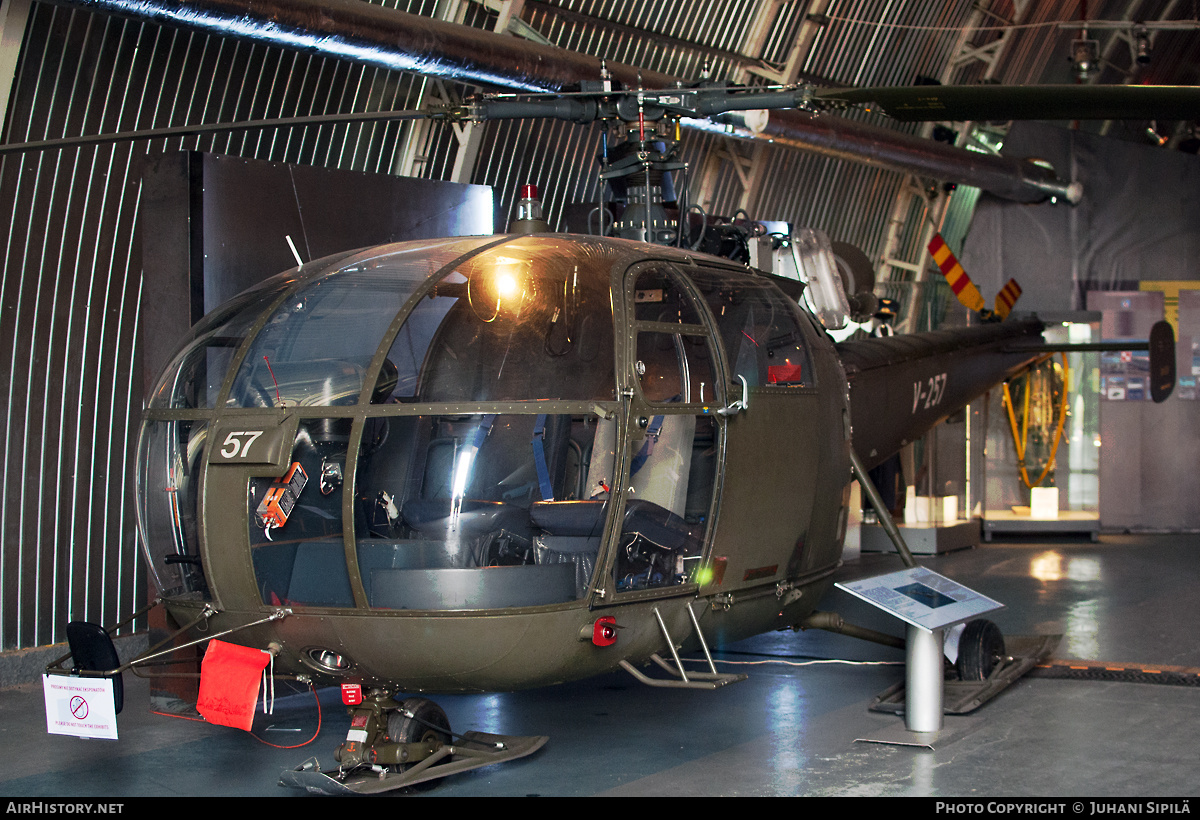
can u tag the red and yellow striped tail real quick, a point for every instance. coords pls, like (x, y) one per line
(1007, 297)
(956, 277)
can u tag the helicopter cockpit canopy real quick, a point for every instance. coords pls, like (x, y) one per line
(437, 425)
(509, 323)
(398, 355)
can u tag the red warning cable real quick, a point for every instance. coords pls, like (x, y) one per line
(278, 398)
(313, 689)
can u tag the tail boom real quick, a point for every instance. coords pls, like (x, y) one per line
(903, 386)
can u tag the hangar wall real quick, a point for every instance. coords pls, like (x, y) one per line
(72, 274)
(1135, 228)
(1141, 222)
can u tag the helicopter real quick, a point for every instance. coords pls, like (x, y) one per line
(500, 462)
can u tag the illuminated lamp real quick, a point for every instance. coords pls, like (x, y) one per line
(1085, 57)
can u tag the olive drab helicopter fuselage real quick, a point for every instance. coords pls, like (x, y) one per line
(491, 463)
(445, 462)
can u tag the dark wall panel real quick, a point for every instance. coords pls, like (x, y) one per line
(216, 225)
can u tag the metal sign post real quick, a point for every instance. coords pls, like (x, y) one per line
(928, 603)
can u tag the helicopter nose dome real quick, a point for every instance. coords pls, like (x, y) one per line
(271, 395)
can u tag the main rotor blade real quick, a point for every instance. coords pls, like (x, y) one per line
(211, 128)
(933, 103)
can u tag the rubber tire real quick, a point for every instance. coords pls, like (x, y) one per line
(404, 729)
(980, 650)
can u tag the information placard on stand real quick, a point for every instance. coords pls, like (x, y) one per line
(921, 597)
(928, 603)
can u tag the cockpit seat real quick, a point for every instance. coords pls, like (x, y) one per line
(424, 514)
(655, 546)
(578, 518)
(487, 528)
(571, 533)
(662, 475)
(662, 528)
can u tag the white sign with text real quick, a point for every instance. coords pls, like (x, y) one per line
(84, 707)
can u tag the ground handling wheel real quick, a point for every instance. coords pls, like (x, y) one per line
(980, 650)
(418, 720)
(415, 750)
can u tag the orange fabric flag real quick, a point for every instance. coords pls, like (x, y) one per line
(229, 676)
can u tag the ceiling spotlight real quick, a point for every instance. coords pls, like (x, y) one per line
(1141, 45)
(1085, 57)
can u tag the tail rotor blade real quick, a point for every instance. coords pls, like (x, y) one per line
(957, 278)
(1007, 297)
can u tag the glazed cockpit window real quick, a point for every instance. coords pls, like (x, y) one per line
(195, 376)
(674, 360)
(318, 344)
(659, 296)
(295, 522)
(169, 457)
(480, 511)
(513, 323)
(498, 475)
(758, 325)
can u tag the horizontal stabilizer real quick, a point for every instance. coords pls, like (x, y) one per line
(1162, 361)
(1160, 345)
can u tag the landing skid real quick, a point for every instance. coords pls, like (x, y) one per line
(681, 679)
(475, 750)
